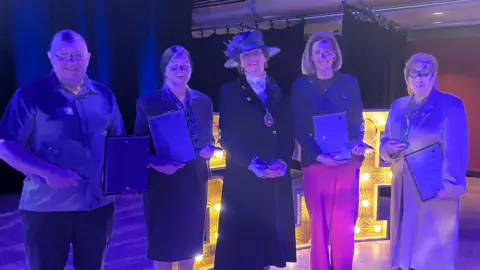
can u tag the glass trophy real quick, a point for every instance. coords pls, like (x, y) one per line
(400, 130)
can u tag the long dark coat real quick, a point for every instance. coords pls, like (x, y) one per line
(257, 226)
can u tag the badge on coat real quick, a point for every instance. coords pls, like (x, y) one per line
(268, 119)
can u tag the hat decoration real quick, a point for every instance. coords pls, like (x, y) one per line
(244, 42)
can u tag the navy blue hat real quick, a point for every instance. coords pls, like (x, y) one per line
(244, 42)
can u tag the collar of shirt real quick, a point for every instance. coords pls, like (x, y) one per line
(167, 93)
(87, 86)
(258, 84)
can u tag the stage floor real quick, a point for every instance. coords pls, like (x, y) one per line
(127, 251)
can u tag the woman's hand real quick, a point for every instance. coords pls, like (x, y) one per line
(272, 173)
(207, 151)
(277, 168)
(329, 160)
(130, 194)
(167, 168)
(359, 150)
(442, 195)
(395, 147)
(278, 164)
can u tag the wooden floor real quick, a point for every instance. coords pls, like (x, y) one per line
(127, 251)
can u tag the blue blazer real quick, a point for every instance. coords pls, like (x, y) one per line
(309, 98)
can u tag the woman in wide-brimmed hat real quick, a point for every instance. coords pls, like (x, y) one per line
(257, 227)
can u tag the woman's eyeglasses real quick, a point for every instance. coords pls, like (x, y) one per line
(414, 73)
(175, 68)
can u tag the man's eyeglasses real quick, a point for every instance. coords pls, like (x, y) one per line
(413, 73)
(69, 56)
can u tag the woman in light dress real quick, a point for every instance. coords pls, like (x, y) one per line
(424, 234)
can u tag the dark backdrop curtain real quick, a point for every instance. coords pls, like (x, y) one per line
(286, 66)
(376, 56)
(126, 40)
(208, 59)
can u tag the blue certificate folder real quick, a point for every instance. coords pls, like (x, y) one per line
(331, 135)
(171, 136)
(126, 164)
(426, 168)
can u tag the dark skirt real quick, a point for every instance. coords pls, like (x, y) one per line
(175, 208)
(257, 226)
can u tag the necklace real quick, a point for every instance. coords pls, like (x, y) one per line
(268, 118)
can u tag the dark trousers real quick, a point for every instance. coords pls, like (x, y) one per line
(48, 235)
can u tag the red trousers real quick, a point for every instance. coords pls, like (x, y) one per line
(331, 196)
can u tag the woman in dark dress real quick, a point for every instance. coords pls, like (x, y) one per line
(175, 204)
(256, 227)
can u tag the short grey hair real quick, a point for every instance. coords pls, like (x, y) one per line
(67, 35)
(420, 58)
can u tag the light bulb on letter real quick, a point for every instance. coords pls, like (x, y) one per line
(365, 203)
(218, 154)
(365, 177)
(382, 121)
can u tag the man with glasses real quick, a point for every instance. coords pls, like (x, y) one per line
(53, 131)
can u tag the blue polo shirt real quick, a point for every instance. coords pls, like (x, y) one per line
(68, 131)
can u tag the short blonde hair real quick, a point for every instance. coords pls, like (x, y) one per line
(308, 67)
(420, 58)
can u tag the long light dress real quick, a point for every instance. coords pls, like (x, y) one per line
(424, 234)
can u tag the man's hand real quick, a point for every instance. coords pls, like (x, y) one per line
(329, 160)
(60, 178)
